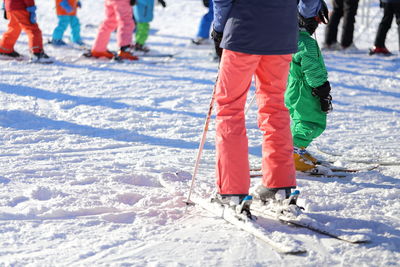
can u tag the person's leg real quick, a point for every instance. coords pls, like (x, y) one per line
(273, 120)
(205, 23)
(10, 36)
(384, 26)
(232, 163)
(35, 39)
(142, 32)
(75, 29)
(308, 120)
(106, 28)
(349, 18)
(331, 30)
(396, 7)
(125, 23)
(63, 22)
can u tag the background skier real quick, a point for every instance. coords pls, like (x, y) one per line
(143, 13)
(203, 33)
(118, 16)
(391, 8)
(67, 15)
(22, 17)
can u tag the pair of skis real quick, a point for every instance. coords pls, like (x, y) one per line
(282, 242)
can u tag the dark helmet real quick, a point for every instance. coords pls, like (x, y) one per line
(310, 24)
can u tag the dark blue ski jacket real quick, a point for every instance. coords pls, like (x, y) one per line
(261, 27)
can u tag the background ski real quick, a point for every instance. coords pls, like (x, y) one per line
(280, 242)
(306, 221)
(71, 46)
(336, 175)
(377, 162)
(26, 59)
(168, 55)
(85, 57)
(335, 169)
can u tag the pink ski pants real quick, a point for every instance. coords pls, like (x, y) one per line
(234, 80)
(118, 16)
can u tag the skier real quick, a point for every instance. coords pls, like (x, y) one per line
(203, 32)
(143, 13)
(22, 16)
(390, 8)
(118, 16)
(66, 12)
(307, 95)
(257, 39)
(348, 10)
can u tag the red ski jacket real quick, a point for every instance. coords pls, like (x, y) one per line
(18, 4)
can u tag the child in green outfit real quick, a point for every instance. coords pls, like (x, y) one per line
(143, 14)
(308, 94)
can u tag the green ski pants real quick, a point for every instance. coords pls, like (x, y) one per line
(308, 120)
(142, 32)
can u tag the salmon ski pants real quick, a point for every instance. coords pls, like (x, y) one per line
(19, 21)
(234, 80)
(118, 16)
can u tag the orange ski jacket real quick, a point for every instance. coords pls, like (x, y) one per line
(62, 12)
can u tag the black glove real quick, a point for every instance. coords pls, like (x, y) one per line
(5, 14)
(325, 98)
(323, 13)
(217, 37)
(132, 2)
(206, 3)
(162, 2)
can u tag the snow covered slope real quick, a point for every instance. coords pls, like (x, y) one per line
(83, 144)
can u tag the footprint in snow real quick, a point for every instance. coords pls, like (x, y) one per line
(129, 198)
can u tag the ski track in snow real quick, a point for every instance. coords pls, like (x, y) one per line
(83, 145)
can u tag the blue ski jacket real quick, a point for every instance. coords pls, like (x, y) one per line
(261, 27)
(143, 10)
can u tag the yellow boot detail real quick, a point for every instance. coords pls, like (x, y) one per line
(302, 164)
(308, 156)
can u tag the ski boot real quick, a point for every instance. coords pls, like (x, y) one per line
(57, 42)
(100, 54)
(124, 53)
(303, 160)
(79, 43)
(13, 54)
(141, 48)
(40, 57)
(239, 203)
(200, 41)
(279, 200)
(331, 47)
(376, 50)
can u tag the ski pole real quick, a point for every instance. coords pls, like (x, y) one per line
(201, 145)
(250, 103)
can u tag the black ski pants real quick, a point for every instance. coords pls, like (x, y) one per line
(348, 10)
(389, 11)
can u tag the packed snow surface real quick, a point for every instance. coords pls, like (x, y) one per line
(83, 144)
